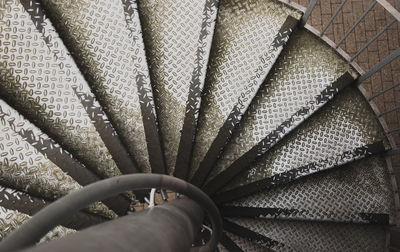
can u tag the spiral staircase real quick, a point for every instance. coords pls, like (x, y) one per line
(242, 99)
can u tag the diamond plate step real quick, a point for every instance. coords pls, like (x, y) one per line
(12, 219)
(104, 38)
(315, 236)
(248, 38)
(249, 236)
(178, 36)
(306, 76)
(15, 126)
(25, 165)
(342, 131)
(231, 242)
(358, 192)
(16, 200)
(40, 80)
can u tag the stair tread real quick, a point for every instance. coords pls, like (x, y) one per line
(342, 131)
(241, 243)
(236, 70)
(302, 80)
(62, 106)
(178, 36)
(12, 219)
(109, 50)
(27, 168)
(22, 202)
(358, 192)
(317, 236)
(33, 150)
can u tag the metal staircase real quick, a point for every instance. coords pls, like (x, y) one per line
(265, 118)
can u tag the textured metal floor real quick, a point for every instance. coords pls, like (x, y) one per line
(234, 96)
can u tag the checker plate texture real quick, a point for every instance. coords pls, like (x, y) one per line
(178, 37)
(303, 70)
(242, 243)
(241, 56)
(318, 236)
(344, 124)
(23, 167)
(40, 79)
(342, 194)
(105, 40)
(10, 220)
(19, 201)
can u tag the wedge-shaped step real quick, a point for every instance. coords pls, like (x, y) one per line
(105, 40)
(12, 219)
(307, 74)
(231, 242)
(24, 164)
(16, 200)
(315, 236)
(357, 192)
(40, 80)
(178, 36)
(15, 127)
(250, 237)
(249, 36)
(342, 131)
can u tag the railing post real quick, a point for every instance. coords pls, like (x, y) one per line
(356, 23)
(307, 14)
(333, 17)
(379, 66)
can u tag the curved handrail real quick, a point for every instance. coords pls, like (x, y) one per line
(49, 217)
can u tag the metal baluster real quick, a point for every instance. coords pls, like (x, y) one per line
(373, 39)
(307, 14)
(333, 17)
(389, 111)
(383, 91)
(393, 131)
(379, 66)
(356, 23)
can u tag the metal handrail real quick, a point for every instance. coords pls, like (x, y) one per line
(49, 217)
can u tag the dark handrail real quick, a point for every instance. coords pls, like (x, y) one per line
(45, 220)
